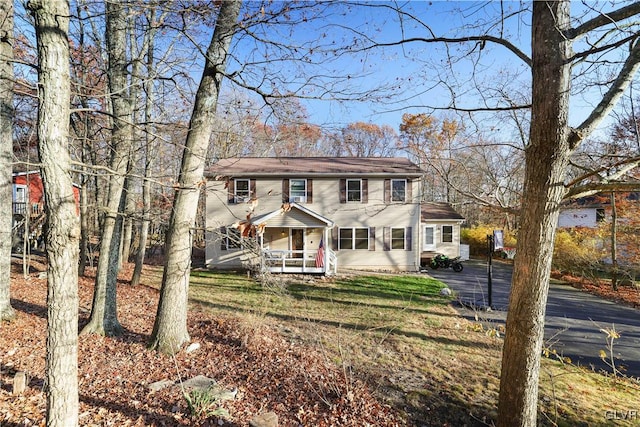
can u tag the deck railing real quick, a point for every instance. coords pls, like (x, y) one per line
(21, 208)
(283, 261)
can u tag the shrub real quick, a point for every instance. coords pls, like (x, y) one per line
(577, 251)
(476, 238)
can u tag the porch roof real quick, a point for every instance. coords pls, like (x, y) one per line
(287, 207)
(435, 211)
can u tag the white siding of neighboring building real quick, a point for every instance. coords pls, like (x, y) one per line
(577, 217)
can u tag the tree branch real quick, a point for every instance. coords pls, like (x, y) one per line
(604, 19)
(482, 39)
(609, 99)
(628, 164)
(598, 187)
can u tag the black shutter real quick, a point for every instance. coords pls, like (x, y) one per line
(386, 238)
(231, 198)
(252, 190)
(285, 191)
(365, 191)
(334, 238)
(223, 238)
(407, 238)
(372, 238)
(387, 191)
(343, 190)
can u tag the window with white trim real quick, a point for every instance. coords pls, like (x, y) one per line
(397, 238)
(353, 238)
(354, 190)
(398, 190)
(298, 190)
(447, 233)
(231, 239)
(242, 190)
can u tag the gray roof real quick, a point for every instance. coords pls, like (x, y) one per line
(314, 166)
(439, 211)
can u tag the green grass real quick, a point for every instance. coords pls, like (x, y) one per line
(398, 333)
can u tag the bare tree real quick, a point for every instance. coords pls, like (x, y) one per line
(6, 147)
(170, 327)
(553, 66)
(63, 232)
(104, 319)
(551, 143)
(362, 139)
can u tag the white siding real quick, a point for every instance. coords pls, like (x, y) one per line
(325, 202)
(578, 217)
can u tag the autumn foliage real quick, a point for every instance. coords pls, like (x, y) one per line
(270, 372)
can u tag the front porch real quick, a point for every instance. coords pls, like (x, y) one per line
(301, 262)
(293, 240)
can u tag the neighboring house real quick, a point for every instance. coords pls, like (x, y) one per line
(592, 210)
(311, 215)
(440, 230)
(29, 204)
(581, 216)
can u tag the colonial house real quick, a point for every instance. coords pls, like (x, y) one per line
(311, 215)
(440, 230)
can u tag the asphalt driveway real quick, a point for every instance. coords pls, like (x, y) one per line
(574, 319)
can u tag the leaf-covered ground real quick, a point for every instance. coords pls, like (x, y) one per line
(626, 293)
(271, 374)
(270, 370)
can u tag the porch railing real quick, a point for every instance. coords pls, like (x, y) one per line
(21, 208)
(283, 261)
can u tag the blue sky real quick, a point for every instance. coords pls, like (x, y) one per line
(411, 72)
(414, 70)
(406, 69)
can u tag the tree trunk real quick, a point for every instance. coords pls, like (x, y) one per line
(104, 320)
(84, 220)
(614, 243)
(546, 162)
(170, 327)
(6, 152)
(63, 231)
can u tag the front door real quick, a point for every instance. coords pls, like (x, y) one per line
(429, 238)
(297, 242)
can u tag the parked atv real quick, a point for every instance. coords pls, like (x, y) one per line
(443, 261)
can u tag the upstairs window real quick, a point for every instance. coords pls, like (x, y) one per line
(242, 190)
(298, 190)
(354, 190)
(398, 190)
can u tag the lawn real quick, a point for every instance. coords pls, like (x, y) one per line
(351, 350)
(406, 340)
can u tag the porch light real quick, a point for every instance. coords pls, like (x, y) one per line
(282, 232)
